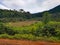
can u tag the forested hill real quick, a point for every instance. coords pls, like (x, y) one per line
(21, 15)
(14, 15)
(55, 12)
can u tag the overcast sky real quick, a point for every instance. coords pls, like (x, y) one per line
(33, 6)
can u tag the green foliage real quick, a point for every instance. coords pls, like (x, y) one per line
(46, 17)
(45, 30)
(13, 15)
(36, 31)
(9, 31)
(53, 39)
(49, 31)
(6, 36)
(24, 36)
(21, 15)
(4, 29)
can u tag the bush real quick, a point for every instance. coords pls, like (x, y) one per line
(54, 39)
(6, 36)
(10, 31)
(49, 31)
(36, 32)
(24, 36)
(2, 30)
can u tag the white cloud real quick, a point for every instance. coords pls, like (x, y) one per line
(48, 4)
(3, 7)
(21, 3)
(31, 5)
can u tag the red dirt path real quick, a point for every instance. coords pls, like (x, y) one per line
(25, 42)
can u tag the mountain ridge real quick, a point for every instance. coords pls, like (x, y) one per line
(13, 15)
(53, 10)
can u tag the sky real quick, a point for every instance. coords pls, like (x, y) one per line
(32, 6)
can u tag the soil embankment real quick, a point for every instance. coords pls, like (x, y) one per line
(25, 42)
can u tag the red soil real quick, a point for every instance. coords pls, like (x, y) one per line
(25, 42)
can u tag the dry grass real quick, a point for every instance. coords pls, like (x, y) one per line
(22, 23)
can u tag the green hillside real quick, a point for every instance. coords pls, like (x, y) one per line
(26, 26)
(21, 15)
(55, 12)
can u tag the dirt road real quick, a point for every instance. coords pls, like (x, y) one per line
(25, 42)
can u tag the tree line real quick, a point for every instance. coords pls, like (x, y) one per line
(14, 15)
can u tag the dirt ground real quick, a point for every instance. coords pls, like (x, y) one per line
(22, 23)
(25, 42)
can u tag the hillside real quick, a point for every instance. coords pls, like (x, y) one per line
(22, 25)
(55, 12)
(14, 15)
(21, 15)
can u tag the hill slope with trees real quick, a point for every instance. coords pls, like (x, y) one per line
(21, 15)
(55, 12)
(40, 30)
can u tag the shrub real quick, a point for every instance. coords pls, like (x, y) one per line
(2, 30)
(6, 36)
(49, 31)
(54, 39)
(9, 31)
(24, 36)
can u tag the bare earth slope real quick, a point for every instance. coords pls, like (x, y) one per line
(25, 42)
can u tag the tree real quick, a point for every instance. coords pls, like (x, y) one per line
(49, 31)
(46, 17)
(21, 10)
